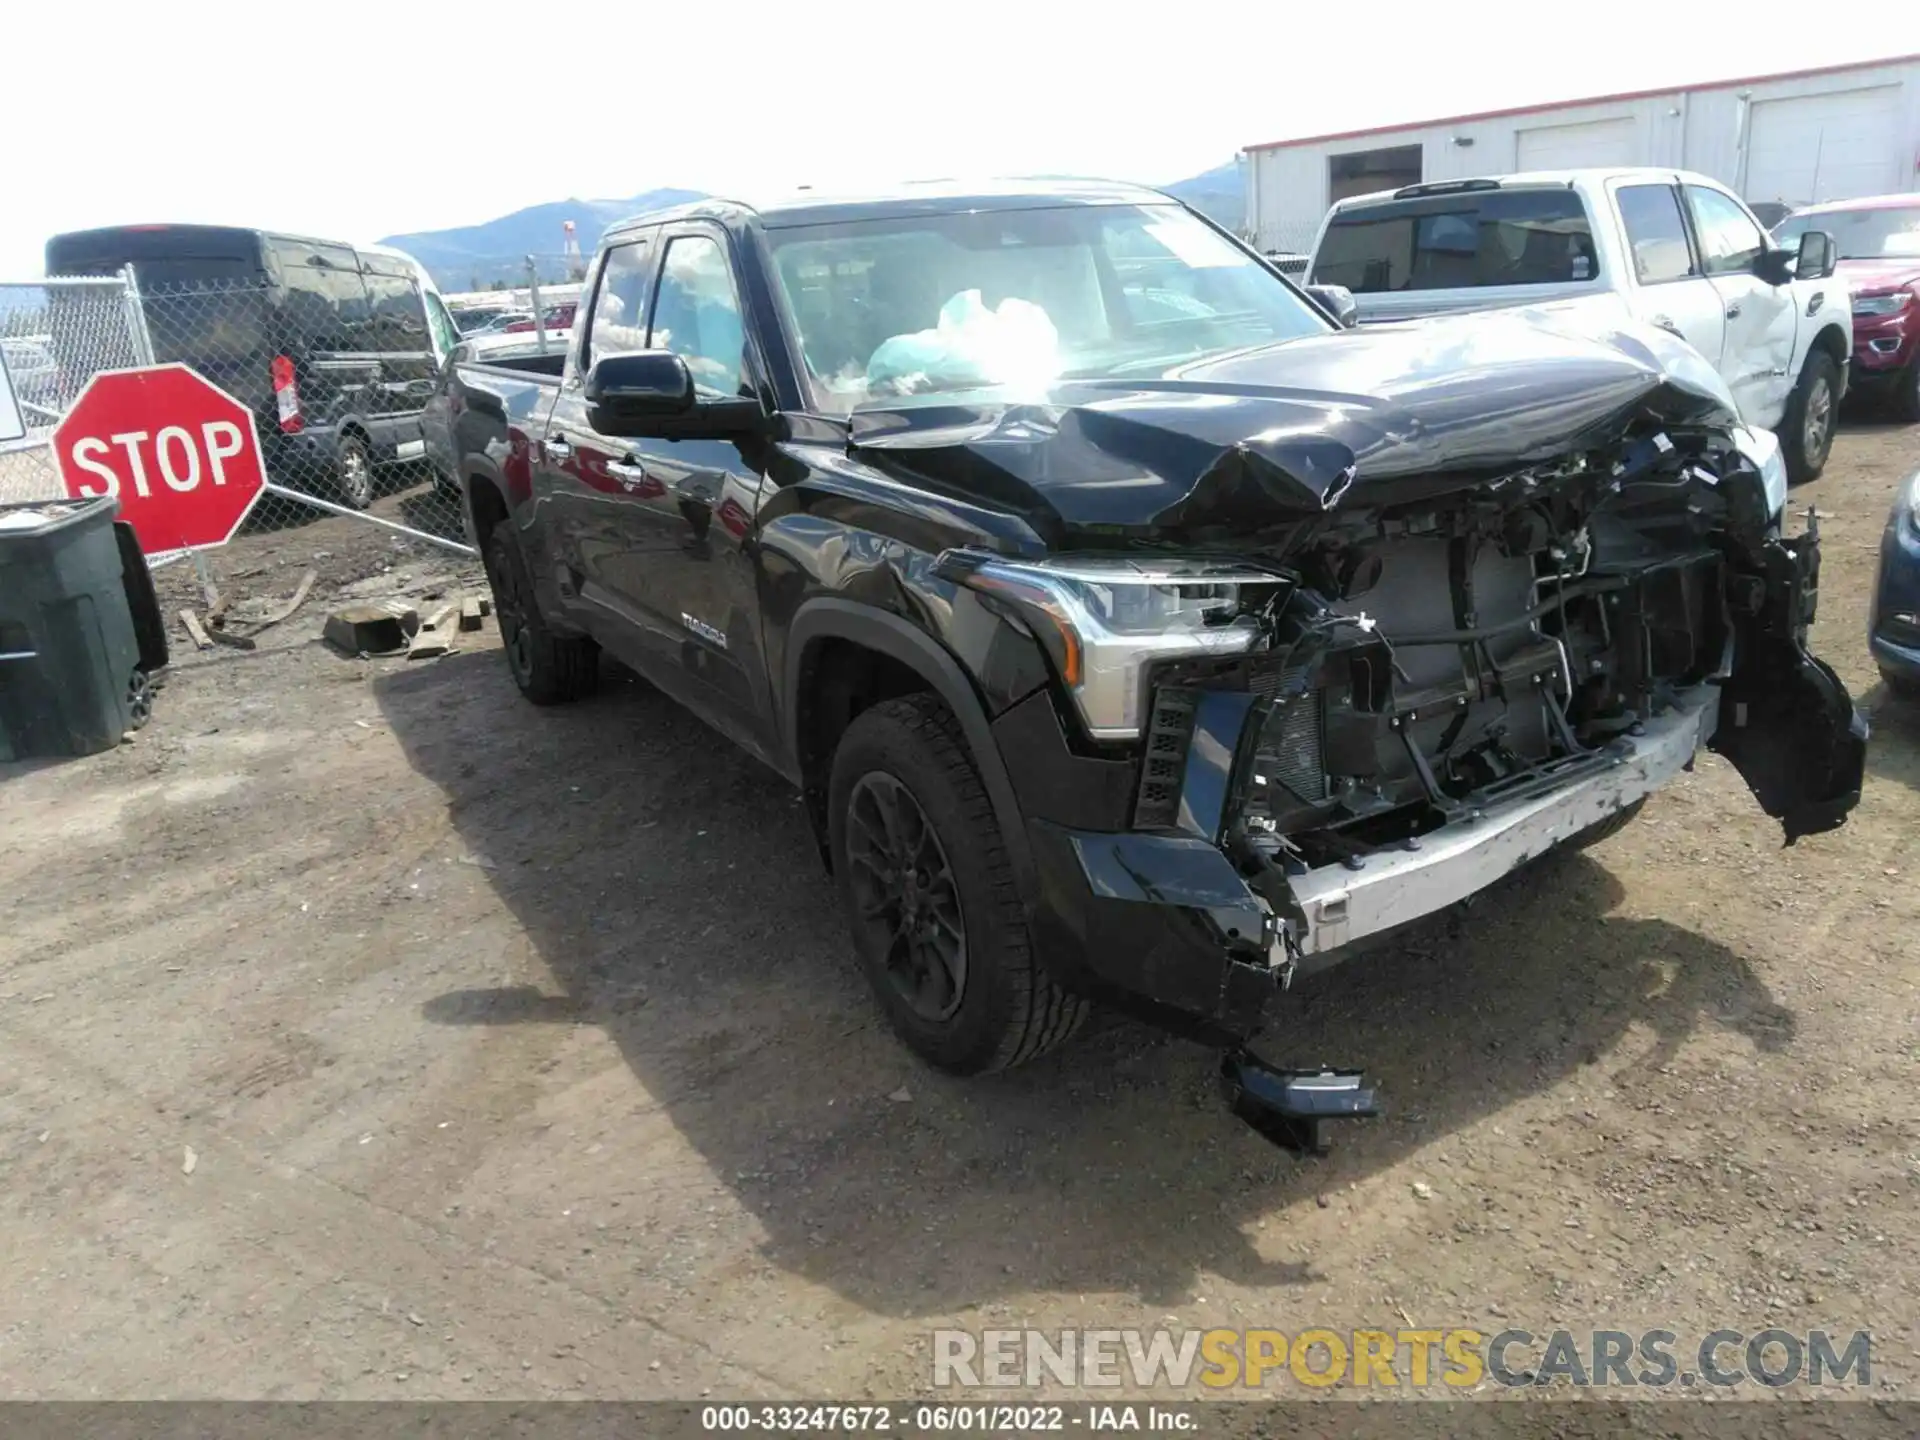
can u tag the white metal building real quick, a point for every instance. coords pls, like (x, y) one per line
(1825, 134)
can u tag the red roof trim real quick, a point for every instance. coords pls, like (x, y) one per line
(1590, 100)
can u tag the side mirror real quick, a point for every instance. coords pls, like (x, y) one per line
(1774, 266)
(650, 393)
(1338, 302)
(1816, 258)
(642, 386)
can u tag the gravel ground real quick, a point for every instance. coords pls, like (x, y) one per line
(370, 1033)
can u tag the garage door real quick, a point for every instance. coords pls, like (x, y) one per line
(1824, 147)
(1569, 147)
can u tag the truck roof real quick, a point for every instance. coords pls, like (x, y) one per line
(1569, 179)
(784, 209)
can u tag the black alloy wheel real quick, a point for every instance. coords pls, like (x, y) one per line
(906, 895)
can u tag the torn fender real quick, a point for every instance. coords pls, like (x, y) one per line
(1787, 723)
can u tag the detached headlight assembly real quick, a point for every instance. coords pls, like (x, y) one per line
(1104, 621)
(1881, 304)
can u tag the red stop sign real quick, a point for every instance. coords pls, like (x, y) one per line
(179, 452)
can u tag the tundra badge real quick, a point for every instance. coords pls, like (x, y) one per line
(705, 631)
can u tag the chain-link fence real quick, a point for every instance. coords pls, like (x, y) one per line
(340, 371)
(339, 368)
(54, 336)
(1288, 246)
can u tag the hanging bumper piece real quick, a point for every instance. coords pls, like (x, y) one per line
(1291, 1107)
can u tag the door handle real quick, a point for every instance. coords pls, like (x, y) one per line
(630, 473)
(557, 447)
(1733, 311)
(695, 489)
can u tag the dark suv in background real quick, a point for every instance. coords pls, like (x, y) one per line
(333, 348)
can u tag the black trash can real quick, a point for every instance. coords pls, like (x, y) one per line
(74, 660)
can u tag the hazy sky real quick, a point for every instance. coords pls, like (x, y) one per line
(355, 120)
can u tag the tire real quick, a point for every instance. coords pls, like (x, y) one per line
(1806, 431)
(1905, 403)
(354, 467)
(549, 669)
(996, 1007)
(1604, 829)
(139, 699)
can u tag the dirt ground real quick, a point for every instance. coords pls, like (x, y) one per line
(521, 1054)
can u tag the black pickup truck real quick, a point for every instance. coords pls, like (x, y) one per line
(1135, 631)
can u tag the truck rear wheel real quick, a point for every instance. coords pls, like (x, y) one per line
(355, 468)
(929, 893)
(549, 669)
(1806, 432)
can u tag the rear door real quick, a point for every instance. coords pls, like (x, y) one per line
(398, 327)
(582, 493)
(1669, 288)
(324, 331)
(1760, 318)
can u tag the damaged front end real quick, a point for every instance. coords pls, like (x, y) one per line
(1406, 697)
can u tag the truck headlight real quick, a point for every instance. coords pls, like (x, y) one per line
(1104, 621)
(1881, 304)
(1762, 448)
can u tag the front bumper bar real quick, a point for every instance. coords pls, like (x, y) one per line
(1447, 865)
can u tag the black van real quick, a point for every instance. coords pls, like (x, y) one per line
(335, 349)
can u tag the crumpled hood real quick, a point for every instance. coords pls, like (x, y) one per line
(1270, 437)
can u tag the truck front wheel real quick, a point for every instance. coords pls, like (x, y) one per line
(549, 669)
(1806, 432)
(929, 893)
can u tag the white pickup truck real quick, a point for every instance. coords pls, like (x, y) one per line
(1665, 246)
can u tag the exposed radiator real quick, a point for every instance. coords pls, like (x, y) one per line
(1292, 747)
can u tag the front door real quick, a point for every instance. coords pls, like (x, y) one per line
(1760, 317)
(688, 505)
(586, 482)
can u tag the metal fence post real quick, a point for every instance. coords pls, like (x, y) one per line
(136, 317)
(533, 292)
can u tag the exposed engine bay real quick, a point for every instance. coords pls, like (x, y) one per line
(1422, 664)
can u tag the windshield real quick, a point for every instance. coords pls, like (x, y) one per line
(1859, 234)
(921, 308)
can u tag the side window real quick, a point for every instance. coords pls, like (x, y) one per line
(328, 309)
(1729, 240)
(399, 319)
(697, 314)
(353, 322)
(1656, 232)
(620, 304)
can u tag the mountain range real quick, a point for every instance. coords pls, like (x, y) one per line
(494, 253)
